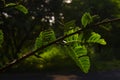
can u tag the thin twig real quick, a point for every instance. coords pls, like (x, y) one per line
(49, 44)
(107, 21)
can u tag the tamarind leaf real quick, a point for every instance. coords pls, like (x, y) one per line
(80, 57)
(70, 24)
(22, 8)
(44, 38)
(86, 19)
(84, 63)
(80, 51)
(19, 7)
(96, 38)
(10, 4)
(102, 42)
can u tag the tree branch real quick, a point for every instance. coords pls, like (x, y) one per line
(107, 21)
(51, 43)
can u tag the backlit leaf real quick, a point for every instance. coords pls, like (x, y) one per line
(70, 24)
(10, 4)
(86, 19)
(80, 58)
(44, 38)
(84, 63)
(80, 51)
(96, 38)
(22, 8)
(102, 42)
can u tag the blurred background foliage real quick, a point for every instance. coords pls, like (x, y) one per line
(21, 29)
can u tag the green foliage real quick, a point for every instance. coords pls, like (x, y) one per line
(77, 51)
(69, 24)
(19, 35)
(77, 47)
(86, 19)
(21, 8)
(117, 2)
(96, 38)
(44, 38)
(10, 5)
(54, 54)
(1, 37)
(72, 39)
(80, 51)
(85, 63)
(80, 57)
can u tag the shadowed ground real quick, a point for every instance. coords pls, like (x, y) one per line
(110, 75)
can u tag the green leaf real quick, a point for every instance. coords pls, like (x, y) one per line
(102, 42)
(22, 8)
(44, 38)
(77, 51)
(70, 24)
(10, 4)
(80, 58)
(1, 37)
(96, 38)
(80, 51)
(84, 63)
(71, 52)
(38, 42)
(72, 39)
(53, 54)
(81, 35)
(86, 19)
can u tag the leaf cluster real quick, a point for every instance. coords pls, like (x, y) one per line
(76, 46)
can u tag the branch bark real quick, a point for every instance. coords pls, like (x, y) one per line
(16, 61)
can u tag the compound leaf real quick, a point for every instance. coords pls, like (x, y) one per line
(86, 19)
(22, 8)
